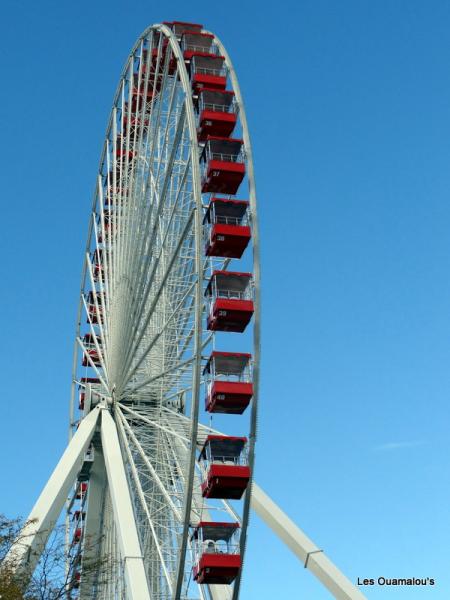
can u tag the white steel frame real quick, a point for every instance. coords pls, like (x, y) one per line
(46, 511)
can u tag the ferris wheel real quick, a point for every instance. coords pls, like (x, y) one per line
(157, 478)
(168, 327)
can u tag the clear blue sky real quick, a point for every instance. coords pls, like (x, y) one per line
(349, 109)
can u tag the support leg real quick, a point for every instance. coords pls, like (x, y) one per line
(136, 580)
(310, 555)
(93, 528)
(25, 554)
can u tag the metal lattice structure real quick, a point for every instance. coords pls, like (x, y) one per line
(168, 319)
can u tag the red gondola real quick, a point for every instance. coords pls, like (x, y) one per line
(97, 264)
(81, 491)
(225, 467)
(180, 27)
(77, 535)
(193, 42)
(230, 297)
(217, 113)
(91, 350)
(142, 94)
(226, 228)
(158, 50)
(229, 382)
(76, 580)
(223, 165)
(92, 311)
(216, 550)
(208, 71)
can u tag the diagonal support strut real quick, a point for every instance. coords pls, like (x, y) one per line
(311, 556)
(25, 554)
(130, 548)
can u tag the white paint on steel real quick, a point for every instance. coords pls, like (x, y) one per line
(154, 423)
(311, 556)
(143, 502)
(92, 525)
(45, 513)
(150, 467)
(130, 549)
